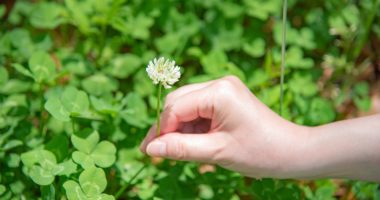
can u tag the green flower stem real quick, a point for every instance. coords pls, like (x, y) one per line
(73, 125)
(158, 109)
(124, 187)
(283, 47)
(42, 120)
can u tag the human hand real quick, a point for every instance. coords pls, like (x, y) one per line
(222, 122)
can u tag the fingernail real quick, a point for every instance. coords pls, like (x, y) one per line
(156, 148)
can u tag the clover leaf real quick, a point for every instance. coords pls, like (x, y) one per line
(92, 182)
(303, 85)
(99, 84)
(92, 152)
(46, 15)
(41, 67)
(3, 189)
(295, 58)
(361, 96)
(104, 107)
(256, 48)
(42, 166)
(71, 102)
(123, 66)
(4, 76)
(137, 112)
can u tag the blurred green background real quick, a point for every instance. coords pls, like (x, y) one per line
(75, 100)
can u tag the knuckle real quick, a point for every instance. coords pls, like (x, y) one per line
(223, 84)
(169, 99)
(220, 155)
(177, 150)
(224, 88)
(232, 78)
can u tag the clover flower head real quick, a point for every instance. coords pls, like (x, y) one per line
(163, 71)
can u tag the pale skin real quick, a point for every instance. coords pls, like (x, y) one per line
(222, 122)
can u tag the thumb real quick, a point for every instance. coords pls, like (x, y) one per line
(190, 147)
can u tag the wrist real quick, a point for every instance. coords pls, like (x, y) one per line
(325, 152)
(299, 159)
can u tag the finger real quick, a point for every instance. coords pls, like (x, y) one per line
(199, 125)
(149, 137)
(190, 106)
(173, 96)
(189, 147)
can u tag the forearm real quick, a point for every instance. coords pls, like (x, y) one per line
(345, 149)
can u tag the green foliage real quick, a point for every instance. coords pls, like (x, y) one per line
(92, 182)
(70, 102)
(92, 152)
(75, 100)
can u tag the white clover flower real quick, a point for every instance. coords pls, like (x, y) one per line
(163, 71)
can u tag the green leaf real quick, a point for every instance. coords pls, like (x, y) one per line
(58, 145)
(2, 12)
(270, 96)
(13, 86)
(41, 176)
(228, 38)
(361, 89)
(321, 112)
(262, 9)
(140, 25)
(42, 66)
(363, 103)
(123, 66)
(145, 86)
(12, 144)
(69, 167)
(259, 78)
(91, 152)
(105, 197)
(136, 113)
(22, 70)
(75, 101)
(74, 191)
(214, 61)
(46, 15)
(38, 156)
(78, 17)
(229, 9)
(72, 102)
(3, 189)
(3, 75)
(255, 48)
(93, 181)
(303, 38)
(85, 142)
(104, 107)
(99, 84)
(48, 192)
(17, 187)
(168, 43)
(303, 85)
(104, 154)
(296, 59)
(83, 159)
(13, 160)
(55, 107)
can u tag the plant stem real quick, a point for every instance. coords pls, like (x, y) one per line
(73, 125)
(367, 28)
(42, 120)
(121, 190)
(158, 109)
(283, 46)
